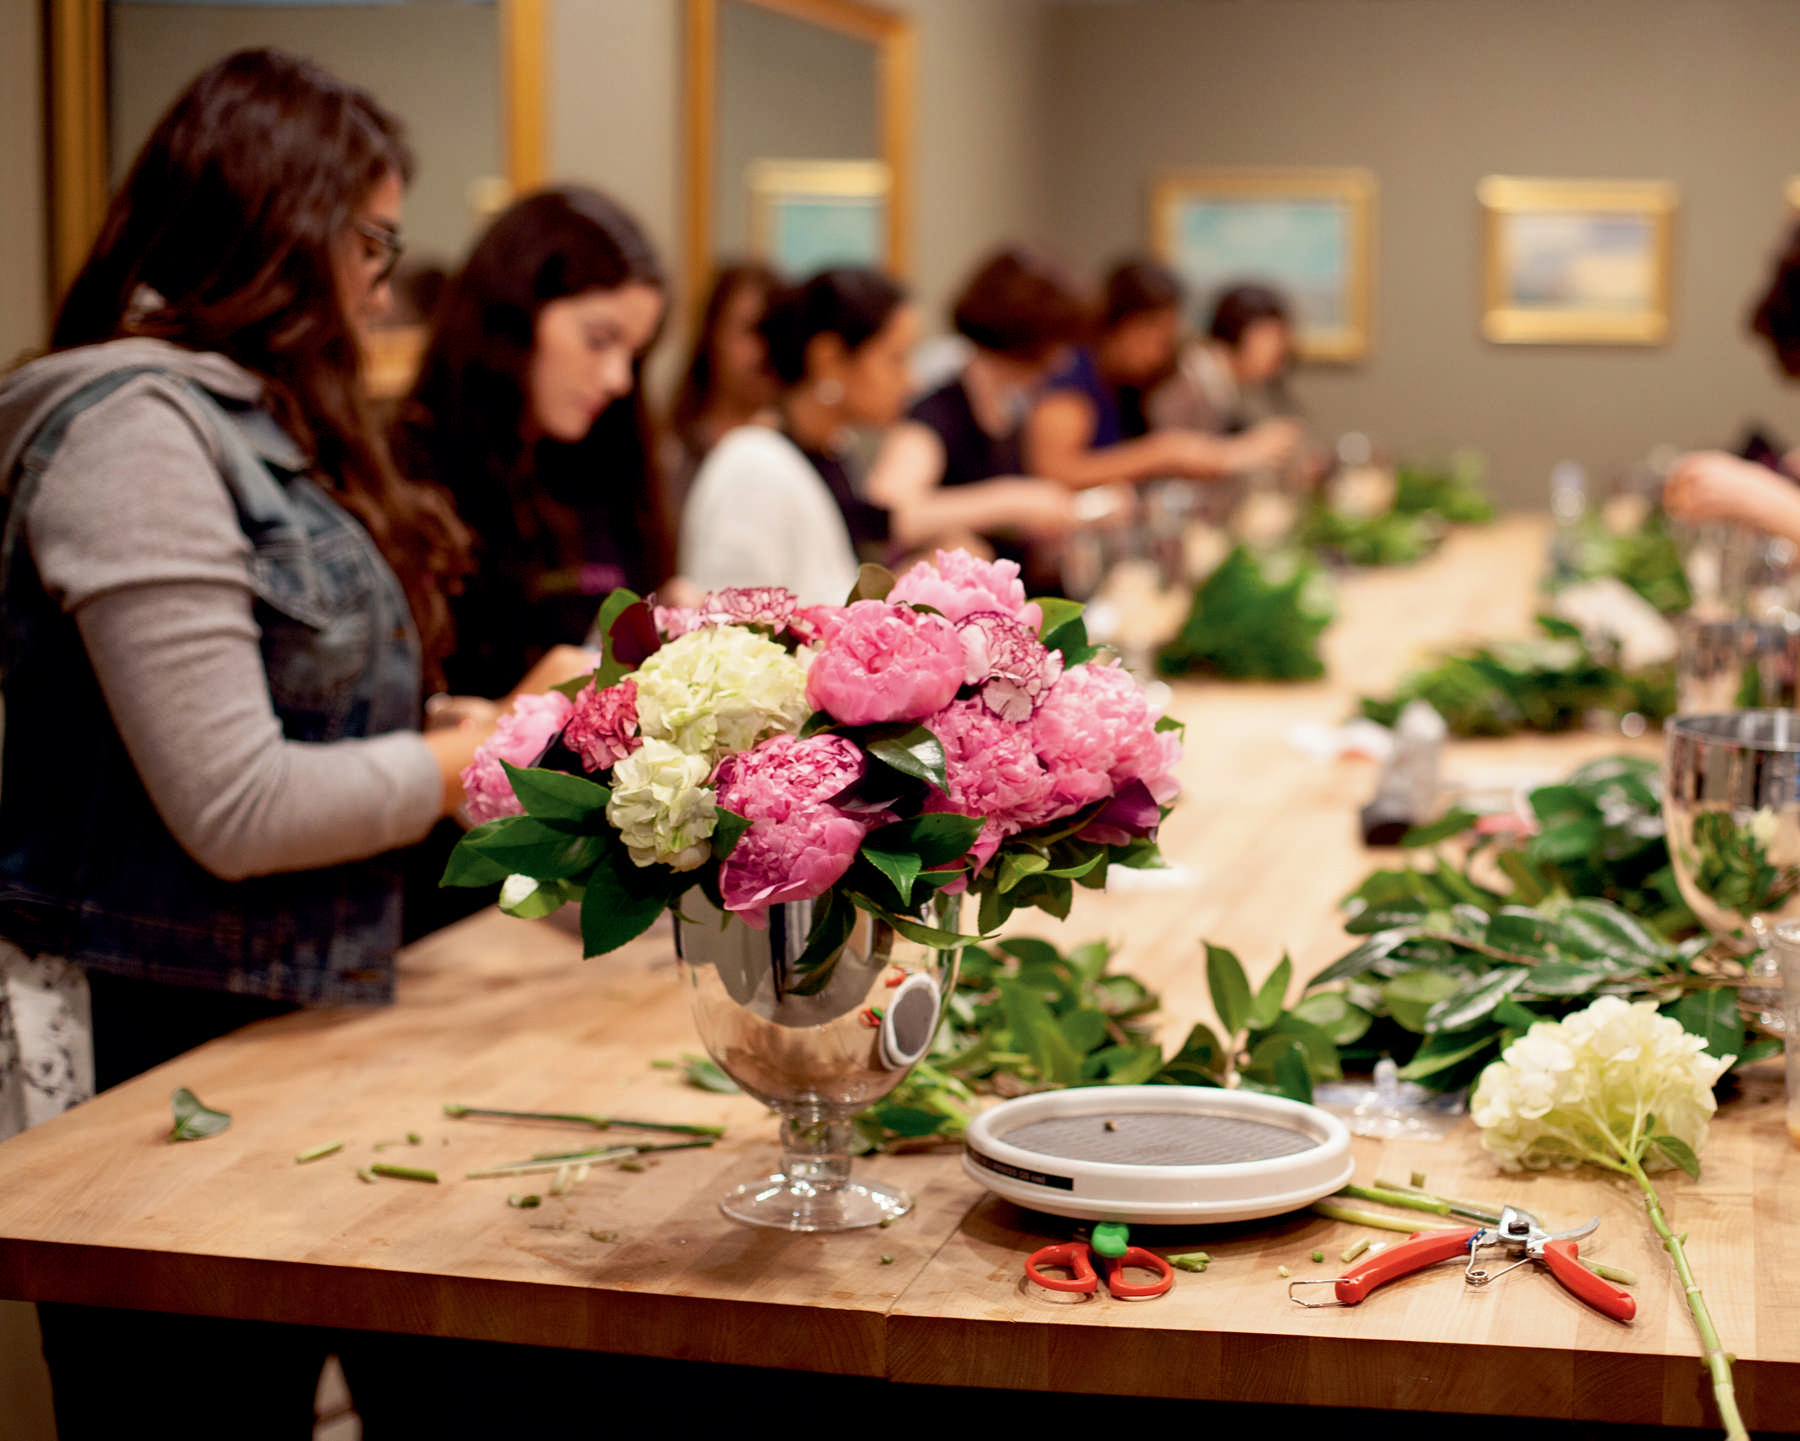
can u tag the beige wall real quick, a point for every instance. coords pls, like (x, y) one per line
(1431, 95)
(615, 121)
(23, 260)
(435, 63)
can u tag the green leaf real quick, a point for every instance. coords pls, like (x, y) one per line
(1335, 1014)
(873, 582)
(1015, 866)
(833, 921)
(194, 1120)
(1034, 1031)
(1452, 823)
(704, 1073)
(611, 669)
(1713, 1016)
(467, 866)
(555, 796)
(1679, 1152)
(1476, 1002)
(1321, 1051)
(1271, 994)
(1201, 1061)
(910, 749)
(1440, 1053)
(617, 906)
(542, 850)
(728, 830)
(1411, 995)
(1278, 1066)
(1057, 612)
(1230, 988)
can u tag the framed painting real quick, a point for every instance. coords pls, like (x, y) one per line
(1310, 234)
(808, 214)
(1576, 262)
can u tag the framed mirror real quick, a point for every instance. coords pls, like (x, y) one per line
(799, 135)
(467, 77)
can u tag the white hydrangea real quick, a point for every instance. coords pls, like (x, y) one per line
(720, 690)
(1584, 1088)
(661, 806)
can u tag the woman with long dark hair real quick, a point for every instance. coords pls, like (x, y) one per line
(775, 504)
(219, 603)
(727, 382)
(528, 410)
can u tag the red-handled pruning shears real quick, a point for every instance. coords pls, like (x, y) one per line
(1518, 1233)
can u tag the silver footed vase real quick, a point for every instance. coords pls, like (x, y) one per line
(1731, 811)
(816, 1043)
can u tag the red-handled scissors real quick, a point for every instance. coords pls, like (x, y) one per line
(1115, 1258)
(1518, 1233)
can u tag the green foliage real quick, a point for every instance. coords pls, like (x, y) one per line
(1394, 538)
(1253, 620)
(1646, 559)
(1452, 489)
(1548, 683)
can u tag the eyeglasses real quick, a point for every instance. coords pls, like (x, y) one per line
(389, 244)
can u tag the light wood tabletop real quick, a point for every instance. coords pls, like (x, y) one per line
(96, 1208)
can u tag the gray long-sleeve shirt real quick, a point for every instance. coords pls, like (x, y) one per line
(135, 536)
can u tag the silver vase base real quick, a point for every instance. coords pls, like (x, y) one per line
(785, 1204)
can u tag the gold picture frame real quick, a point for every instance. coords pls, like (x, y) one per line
(1577, 262)
(1308, 233)
(807, 214)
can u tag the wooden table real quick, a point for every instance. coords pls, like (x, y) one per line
(95, 1208)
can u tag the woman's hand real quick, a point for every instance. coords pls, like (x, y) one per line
(1710, 485)
(560, 663)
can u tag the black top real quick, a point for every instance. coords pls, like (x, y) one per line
(869, 524)
(970, 453)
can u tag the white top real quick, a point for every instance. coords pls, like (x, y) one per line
(759, 514)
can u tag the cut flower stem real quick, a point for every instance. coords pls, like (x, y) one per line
(599, 1123)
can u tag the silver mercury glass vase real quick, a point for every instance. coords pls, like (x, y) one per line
(815, 1046)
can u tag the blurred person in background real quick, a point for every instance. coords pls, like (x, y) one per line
(727, 382)
(953, 472)
(1092, 427)
(774, 504)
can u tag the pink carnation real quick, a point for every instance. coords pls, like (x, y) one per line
(1012, 667)
(1096, 734)
(992, 772)
(883, 662)
(675, 621)
(519, 739)
(799, 843)
(603, 727)
(958, 585)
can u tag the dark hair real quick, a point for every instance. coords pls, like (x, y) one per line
(696, 389)
(1776, 317)
(223, 238)
(1240, 307)
(1020, 304)
(851, 302)
(466, 423)
(1138, 287)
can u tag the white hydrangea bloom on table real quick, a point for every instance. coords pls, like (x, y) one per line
(1595, 1084)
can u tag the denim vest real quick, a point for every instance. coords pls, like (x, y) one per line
(87, 869)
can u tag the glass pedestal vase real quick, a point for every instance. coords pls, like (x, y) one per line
(814, 1044)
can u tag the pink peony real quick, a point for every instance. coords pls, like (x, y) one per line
(992, 772)
(519, 739)
(883, 662)
(958, 585)
(1095, 734)
(799, 843)
(603, 728)
(1012, 667)
(675, 621)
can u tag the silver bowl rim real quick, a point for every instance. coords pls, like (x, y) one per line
(1721, 728)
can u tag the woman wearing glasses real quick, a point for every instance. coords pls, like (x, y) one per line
(220, 604)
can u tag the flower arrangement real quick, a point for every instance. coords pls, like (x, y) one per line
(938, 733)
(1620, 1087)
